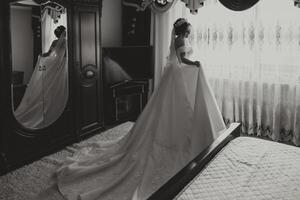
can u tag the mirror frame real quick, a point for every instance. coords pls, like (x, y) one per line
(16, 126)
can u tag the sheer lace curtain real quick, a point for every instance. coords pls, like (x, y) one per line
(252, 59)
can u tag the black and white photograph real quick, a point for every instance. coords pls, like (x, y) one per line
(150, 100)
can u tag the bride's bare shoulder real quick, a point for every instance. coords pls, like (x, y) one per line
(179, 42)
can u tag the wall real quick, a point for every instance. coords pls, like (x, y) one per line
(22, 41)
(111, 24)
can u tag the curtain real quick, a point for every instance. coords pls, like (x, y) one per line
(252, 59)
(48, 27)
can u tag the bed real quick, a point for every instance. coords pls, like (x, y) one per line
(238, 167)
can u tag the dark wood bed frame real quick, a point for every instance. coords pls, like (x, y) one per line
(173, 187)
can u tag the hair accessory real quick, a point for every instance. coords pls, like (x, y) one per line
(180, 22)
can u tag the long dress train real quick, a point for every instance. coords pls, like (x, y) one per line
(180, 120)
(46, 94)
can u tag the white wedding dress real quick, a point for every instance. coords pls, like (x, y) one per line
(46, 94)
(180, 120)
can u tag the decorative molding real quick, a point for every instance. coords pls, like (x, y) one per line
(88, 2)
(43, 2)
(154, 5)
(138, 5)
(193, 5)
(160, 6)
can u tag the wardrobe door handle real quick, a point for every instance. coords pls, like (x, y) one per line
(88, 73)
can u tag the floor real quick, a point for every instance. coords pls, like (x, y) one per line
(35, 181)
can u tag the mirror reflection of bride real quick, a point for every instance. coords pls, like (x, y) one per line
(47, 91)
(180, 120)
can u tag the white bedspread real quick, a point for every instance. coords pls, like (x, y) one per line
(249, 168)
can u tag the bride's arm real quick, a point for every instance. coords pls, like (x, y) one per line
(188, 61)
(56, 44)
(180, 51)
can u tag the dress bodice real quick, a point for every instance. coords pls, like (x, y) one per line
(186, 48)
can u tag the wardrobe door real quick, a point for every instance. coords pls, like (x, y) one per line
(88, 66)
(26, 137)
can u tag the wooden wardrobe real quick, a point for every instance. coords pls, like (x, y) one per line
(83, 113)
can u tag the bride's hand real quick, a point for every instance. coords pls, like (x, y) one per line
(197, 63)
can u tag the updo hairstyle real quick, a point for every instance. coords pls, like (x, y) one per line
(181, 25)
(59, 30)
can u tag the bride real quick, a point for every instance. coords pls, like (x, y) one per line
(180, 120)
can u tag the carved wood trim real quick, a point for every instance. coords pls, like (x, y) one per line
(88, 2)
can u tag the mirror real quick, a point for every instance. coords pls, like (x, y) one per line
(39, 62)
